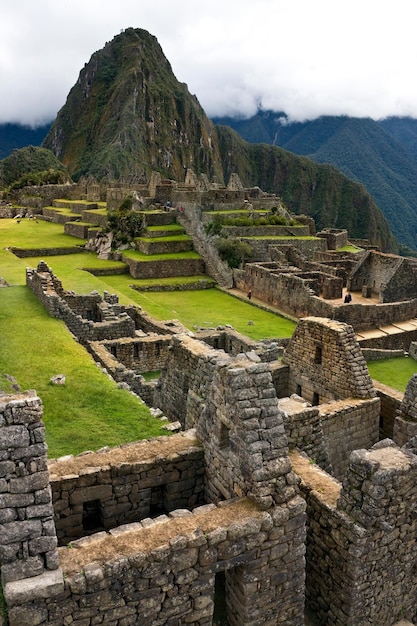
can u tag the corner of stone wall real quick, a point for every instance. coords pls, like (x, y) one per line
(28, 542)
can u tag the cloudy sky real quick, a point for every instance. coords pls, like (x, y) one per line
(304, 57)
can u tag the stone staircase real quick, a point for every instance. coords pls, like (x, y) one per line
(216, 267)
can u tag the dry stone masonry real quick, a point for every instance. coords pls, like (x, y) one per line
(277, 492)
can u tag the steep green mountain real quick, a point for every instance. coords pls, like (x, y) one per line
(127, 115)
(39, 163)
(403, 129)
(380, 155)
(14, 136)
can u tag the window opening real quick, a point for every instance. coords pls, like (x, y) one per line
(318, 355)
(92, 519)
(224, 439)
(156, 505)
(220, 608)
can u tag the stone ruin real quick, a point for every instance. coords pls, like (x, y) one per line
(277, 492)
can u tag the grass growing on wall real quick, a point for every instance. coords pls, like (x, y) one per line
(394, 372)
(86, 413)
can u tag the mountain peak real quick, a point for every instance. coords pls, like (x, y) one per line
(128, 115)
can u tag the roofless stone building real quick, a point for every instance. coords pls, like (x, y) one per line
(276, 491)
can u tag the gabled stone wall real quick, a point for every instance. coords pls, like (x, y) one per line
(326, 362)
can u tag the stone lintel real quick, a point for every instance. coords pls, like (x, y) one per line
(46, 585)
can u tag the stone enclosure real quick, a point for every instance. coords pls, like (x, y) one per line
(277, 491)
(292, 481)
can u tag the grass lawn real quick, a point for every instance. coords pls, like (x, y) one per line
(207, 308)
(89, 411)
(35, 234)
(393, 372)
(140, 256)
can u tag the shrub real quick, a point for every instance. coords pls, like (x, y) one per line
(234, 251)
(125, 223)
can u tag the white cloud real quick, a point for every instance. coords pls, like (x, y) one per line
(304, 57)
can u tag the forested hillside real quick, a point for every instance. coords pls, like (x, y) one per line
(14, 136)
(380, 155)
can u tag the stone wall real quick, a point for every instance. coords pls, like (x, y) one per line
(162, 269)
(94, 217)
(164, 571)
(186, 379)
(44, 195)
(103, 490)
(80, 312)
(349, 425)
(121, 374)
(77, 229)
(393, 277)
(140, 354)
(374, 271)
(162, 246)
(265, 231)
(403, 285)
(263, 247)
(293, 294)
(405, 424)
(326, 362)
(361, 544)
(23, 253)
(398, 340)
(27, 534)
(304, 430)
(28, 543)
(377, 354)
(390, 404)
(235, 343)
(335, 238)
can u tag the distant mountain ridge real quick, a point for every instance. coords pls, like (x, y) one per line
(15, 136)
(381, 155)
(127, 116)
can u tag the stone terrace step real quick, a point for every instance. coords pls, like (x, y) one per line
(164, 268)
(163, 245)
(76, 206)
(59, 216)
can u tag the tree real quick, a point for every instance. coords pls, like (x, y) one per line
(234, 251)
(125, 223)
